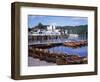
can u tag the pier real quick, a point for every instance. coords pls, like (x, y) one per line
(43, 37)
(73, 44)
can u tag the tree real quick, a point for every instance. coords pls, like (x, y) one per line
(40, 26)
(29, 29)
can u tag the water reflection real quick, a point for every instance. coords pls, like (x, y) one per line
(81, 51)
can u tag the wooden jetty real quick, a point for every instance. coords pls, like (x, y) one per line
(73, 44)
(46, 45)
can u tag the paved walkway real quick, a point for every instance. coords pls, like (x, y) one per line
(37, 62)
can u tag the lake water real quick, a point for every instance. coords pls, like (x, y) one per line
(81, 51)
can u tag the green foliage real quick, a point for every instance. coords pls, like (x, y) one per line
(82, 29)
(40, 26)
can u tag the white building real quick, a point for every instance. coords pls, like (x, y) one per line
(51, 27)
(51, 30)
(73, 35)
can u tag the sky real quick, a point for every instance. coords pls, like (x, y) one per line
(33, 20)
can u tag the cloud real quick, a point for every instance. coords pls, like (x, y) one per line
(36, 16)
(53, 23)
(78, 18)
